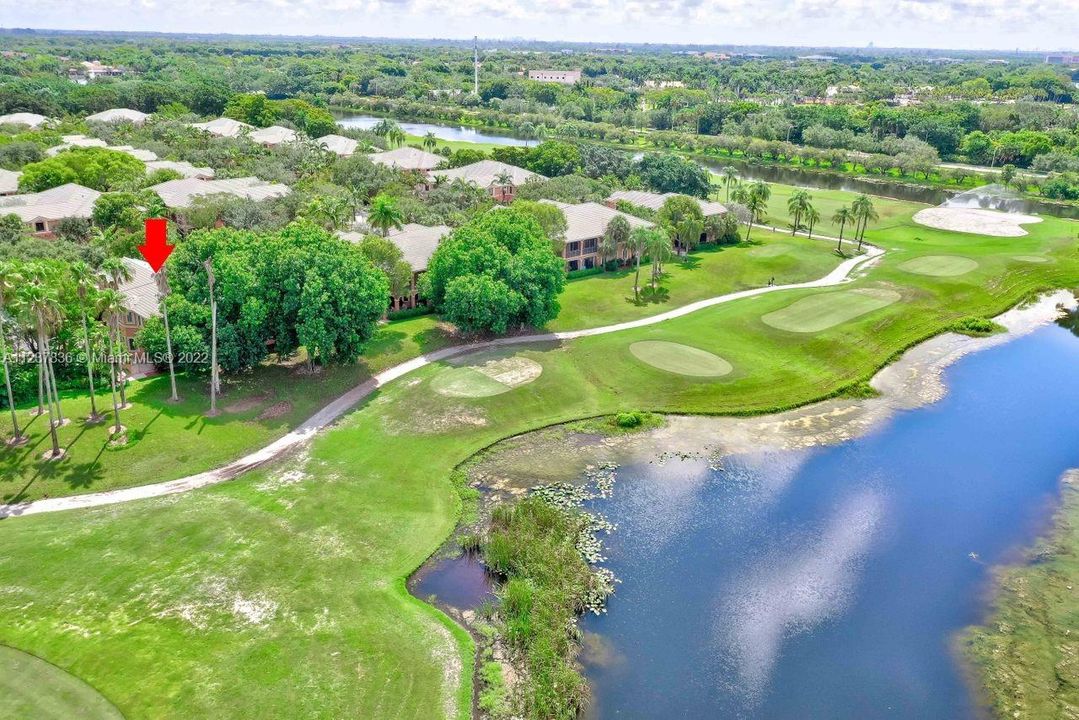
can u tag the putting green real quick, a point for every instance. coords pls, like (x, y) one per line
(939, 265)
(33, 689)
(1030, 258)
(485, 374)
(770, 250)
(825, 310)
(680, 359)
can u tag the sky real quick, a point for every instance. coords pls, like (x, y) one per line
(955, 24)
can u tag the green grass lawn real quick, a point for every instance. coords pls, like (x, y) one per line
(282, 592)
(32, 689)
(607, 298)
(486, 147)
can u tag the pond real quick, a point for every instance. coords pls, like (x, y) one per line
(832, 582)
(456, 133)
(829, 582)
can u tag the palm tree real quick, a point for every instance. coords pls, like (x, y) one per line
(797, 205)
(86, 289)
(842, 216)
(659, 250)
(430, 142)
(865, 213)
(730, 177)
(385, 215)
(45, 275)
(812, 217)
(42, 304)
(9, 280)
(740, 194)
(162, 279)
(118, 273)
(112, 304)
(756, 204)
(762, 189)
(615, 235)
(637, 244)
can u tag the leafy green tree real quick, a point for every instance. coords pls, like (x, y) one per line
(331, 212)
(97, 168)
(671, 173)
(251, 108)
(553, 158)
(503, 255)
(681, 216)
(12, 229)
(551, 219)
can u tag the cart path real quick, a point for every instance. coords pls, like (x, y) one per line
(335, 409)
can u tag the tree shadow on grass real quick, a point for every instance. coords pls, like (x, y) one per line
(648, 296)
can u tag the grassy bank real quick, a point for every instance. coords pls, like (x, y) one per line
(289, 581)
(1026, 654)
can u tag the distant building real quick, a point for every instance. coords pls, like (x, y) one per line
(89, 70)
(273, 136)
(586, 224)
(224, 127)
(417, 243)
(338, 144)
(408, 158)
(73, 141)
(664, 84)
(182, 193)
(562, 77)
(1062, 59)
(9, 182)
(43, 211)
(116, 115)
(498, 178)
(30, 120)
(185, 169)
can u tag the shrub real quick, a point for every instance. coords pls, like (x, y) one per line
(975, 326)
(629, 419)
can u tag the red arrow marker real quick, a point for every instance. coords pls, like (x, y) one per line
(156, 250)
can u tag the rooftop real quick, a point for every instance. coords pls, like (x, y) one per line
(408, 158)
(24, 118)
(66, 201)
(338, 144)
(183, 167)
(273, 135)
(654, 201)
(140, 292)
(9, 181)
(137, 153)
(113, 115)
(223, 127)
(590, 219)
(181, 193)
(417, 242)
(485, 173)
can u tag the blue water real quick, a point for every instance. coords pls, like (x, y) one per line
(830, 583)
(443, 132)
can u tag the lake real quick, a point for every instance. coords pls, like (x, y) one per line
(457, 133)
(830, 583)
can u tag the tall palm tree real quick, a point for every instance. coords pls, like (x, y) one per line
(430, 142)
(39, 273)
(118, 273)
(385, 215)
(811, 217)
(730, 177)
(112, 304)
(762, 189)
(637, 244)
(162, 279)
(756, 204)
(42, 304)
(615, 235)
(797, 205)
(842, 216)
(86, 288)
(659, 250)
(10, 279)
(866, 213)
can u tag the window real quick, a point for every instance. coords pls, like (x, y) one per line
(574, 265)
(131, 318)
(590, 245)
(573, 248)
(39, 227)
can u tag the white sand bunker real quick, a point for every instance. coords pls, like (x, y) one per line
(975, 220)
(486, 374)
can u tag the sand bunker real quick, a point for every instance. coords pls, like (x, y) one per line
(486, 374)
(825, 310)
(939, 265)
(975, 220)
(680, 359)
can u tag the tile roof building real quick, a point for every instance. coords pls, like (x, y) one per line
(273, 136)
(137, 153)
(43, 211)
(9, 182)
(408, 158)
(114, 115)
(73, 141)
(31, 120)
(182, 193)
(654, 201)
(586, 223)
(185, 169)
(338, 144)
(223, 127)
(498, 178)
(417, 244)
